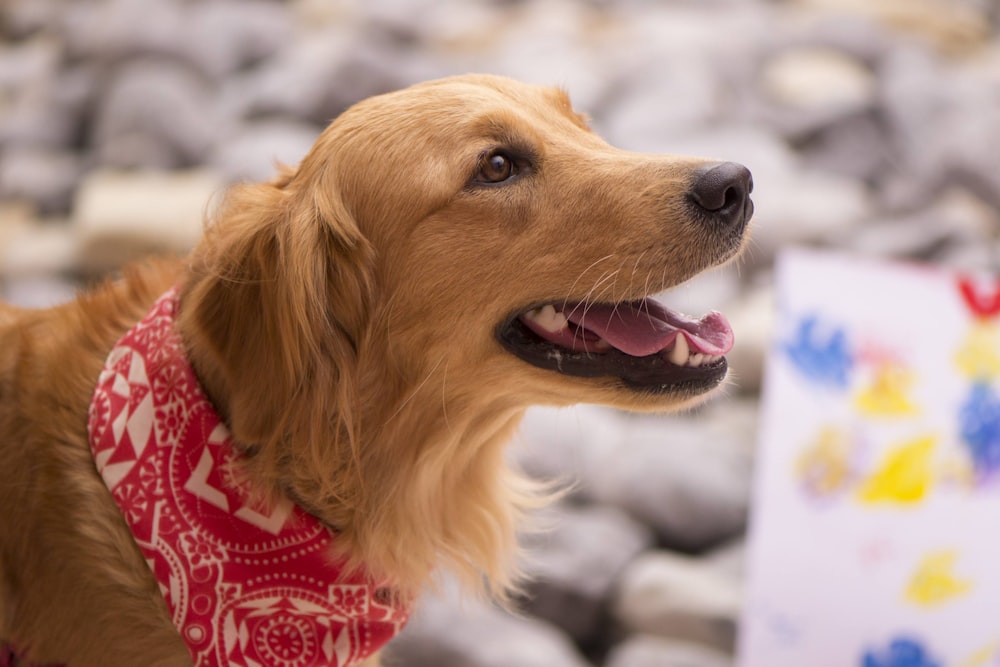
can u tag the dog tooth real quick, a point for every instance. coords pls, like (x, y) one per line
(696, 360)
(601, 345)
(679, 355)
(547, 318)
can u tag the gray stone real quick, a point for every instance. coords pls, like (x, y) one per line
(677, 597)
(655, 106)
(448, 632)
(46, 178)
(157, 114)
(29, 64)
(649, 651)
(752, 319)
(226, 35)
(322, 73)
(37, 291)
(729, 560)
(115, 30)
(122, 215)
(20, 19)
(574, 564)
(34, 253)
(818, 78)
(806, 207)
(40, 104)
(855, 146)
(253, 151)
(686, 477)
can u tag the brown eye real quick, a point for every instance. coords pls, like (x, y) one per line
(496, 168)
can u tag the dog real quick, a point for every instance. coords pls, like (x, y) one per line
(364, 333)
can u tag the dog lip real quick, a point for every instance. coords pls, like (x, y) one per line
(636, 328)
(653, 373)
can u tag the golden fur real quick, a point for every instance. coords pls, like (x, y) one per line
(342, 318)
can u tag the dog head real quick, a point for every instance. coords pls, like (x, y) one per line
(372, 322)
(512, 243)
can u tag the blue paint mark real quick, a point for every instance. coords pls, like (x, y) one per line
(979, 419)
(902, 652)
(825, 360)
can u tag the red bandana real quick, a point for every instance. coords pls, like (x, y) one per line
(246, 586)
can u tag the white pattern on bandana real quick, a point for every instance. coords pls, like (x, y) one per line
(247, 586)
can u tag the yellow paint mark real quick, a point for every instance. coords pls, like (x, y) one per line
(985, 656)
(824, 467)
(904, 477)
(979, 355)
(955, 467)
(887, 395)
(935, 582)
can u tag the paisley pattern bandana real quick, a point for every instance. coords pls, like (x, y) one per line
(247, 586)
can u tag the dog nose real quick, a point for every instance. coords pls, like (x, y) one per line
(722, 190)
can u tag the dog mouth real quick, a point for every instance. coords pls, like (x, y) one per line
(642, 343)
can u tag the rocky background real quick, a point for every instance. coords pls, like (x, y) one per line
(871, 126)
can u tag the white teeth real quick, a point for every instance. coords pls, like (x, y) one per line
(548, 318)
(601, 345)
(679, 355)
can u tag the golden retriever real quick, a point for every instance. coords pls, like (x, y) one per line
(371, 326)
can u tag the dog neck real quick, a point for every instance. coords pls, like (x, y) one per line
(410, 469)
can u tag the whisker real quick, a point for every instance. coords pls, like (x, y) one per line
(589, 300)
(580, 276)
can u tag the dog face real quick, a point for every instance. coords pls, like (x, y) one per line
(373, 323)
(512, 242)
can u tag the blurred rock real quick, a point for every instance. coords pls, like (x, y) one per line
(45, 178)
(729, 560)
(689, 482)
(687, 478)
(956, 26)
(254, 150)
(32, 251)
(40, 104)
(574, 565)
(448, 632)
(673, 596)
(28, 64)
(224, 36)
(640, 121)
(817, 77)
(649, 651)
(806, 207)
(122, 215)
(37, 291)
(856, 146)
(116, 30)
(752, 318)
(20, 19)
(157, 114)
(322, 73)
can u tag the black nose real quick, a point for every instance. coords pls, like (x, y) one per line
(722, 193)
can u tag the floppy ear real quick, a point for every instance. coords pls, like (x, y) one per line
(278, 297)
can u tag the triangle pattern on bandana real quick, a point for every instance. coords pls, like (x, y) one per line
(246, 585)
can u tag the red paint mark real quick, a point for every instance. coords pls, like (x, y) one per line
(984, 304)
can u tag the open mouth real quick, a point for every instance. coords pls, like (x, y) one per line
(643, 343)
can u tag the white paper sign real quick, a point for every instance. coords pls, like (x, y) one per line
(875, 540)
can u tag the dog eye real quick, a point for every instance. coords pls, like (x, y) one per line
(496, 167)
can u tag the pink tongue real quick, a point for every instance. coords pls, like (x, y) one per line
(647, 327)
